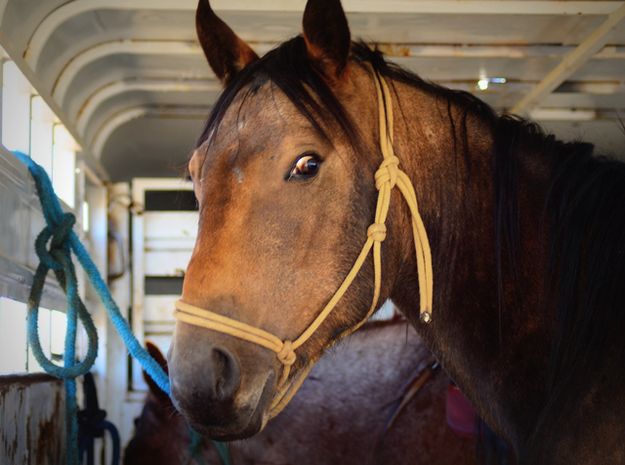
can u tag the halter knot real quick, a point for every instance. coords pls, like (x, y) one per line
(387, 172)
(287, 354)
(54, 257)
(377, 232)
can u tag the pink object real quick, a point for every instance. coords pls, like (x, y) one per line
(461, 416)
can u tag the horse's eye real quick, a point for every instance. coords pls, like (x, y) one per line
(306, 166)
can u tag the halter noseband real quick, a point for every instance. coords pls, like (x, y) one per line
(388, 176)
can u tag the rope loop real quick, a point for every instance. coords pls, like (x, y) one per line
(61, 234)
(387, 172)
(377, 232)
(45, 256)
(53, 257)
(287, 354)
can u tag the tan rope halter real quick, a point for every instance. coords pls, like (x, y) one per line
(387, 177)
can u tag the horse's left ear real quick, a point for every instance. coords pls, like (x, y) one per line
(327, 36)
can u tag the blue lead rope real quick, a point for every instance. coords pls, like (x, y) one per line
(58, 257)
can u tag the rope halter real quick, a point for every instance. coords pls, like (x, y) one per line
(387, 177)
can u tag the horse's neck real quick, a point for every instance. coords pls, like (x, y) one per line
(456, 192)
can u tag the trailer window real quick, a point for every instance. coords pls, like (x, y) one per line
(64, 165)
(41, 133)
(16, 94)
(13, 337)
(31, 127)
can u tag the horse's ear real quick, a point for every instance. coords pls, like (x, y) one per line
(226, 52)
(327, 36)
(160, 359)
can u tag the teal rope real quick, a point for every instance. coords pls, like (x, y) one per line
(63, 242)
(195, 448)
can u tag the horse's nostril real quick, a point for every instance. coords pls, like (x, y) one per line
(208, 377)
(226, 373)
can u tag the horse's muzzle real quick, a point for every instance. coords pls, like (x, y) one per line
(218, 395)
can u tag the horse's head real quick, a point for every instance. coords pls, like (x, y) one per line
(284, 176)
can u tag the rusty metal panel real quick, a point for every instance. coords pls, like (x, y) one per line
(32, 420)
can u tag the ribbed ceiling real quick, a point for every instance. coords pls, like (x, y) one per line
(129, 80)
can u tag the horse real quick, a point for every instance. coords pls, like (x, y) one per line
(503, 246)
(373, 400)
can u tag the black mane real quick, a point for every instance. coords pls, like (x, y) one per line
(585, 210)
(288, 67)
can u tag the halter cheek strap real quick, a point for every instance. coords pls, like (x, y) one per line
(387, 177)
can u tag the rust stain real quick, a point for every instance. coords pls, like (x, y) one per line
(48, 442)
(31, 420)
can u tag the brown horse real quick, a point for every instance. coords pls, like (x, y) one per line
(341, 415)
(527, 236)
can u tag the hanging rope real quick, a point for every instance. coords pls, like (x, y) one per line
(63, 241)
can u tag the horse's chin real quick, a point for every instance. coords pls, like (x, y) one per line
(232, 432)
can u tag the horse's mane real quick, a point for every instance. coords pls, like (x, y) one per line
(288, 67)
(585, 210)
